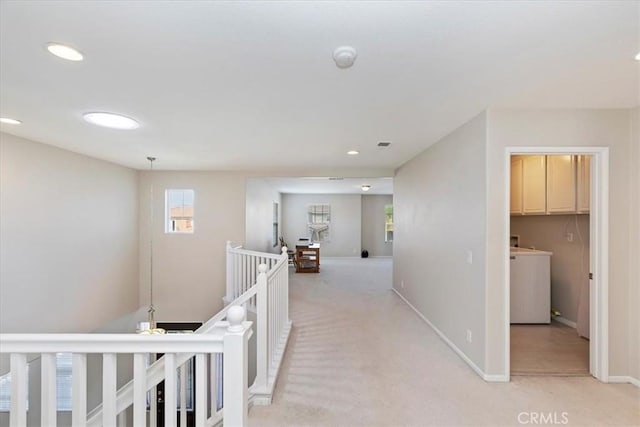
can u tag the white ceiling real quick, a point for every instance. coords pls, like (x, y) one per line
(252, 85)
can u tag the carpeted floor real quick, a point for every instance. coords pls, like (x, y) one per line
(358, 356)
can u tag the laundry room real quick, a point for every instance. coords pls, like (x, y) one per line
(549, 264)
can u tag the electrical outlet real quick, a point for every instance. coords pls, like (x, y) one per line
(569, 237)
(402, 284)
(469, 335)
(469, 257)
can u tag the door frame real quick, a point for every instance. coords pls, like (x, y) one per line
(598, 253)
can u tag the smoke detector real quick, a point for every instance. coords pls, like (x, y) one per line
(344, 56)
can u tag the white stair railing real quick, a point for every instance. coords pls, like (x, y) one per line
(155, 372)
(230, 339)
(242, 269)
(269, 275)
(256, 280)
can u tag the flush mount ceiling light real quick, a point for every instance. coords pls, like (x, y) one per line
(9, 121)
(64, 52)
(344, 56)
(111, 120)
(353, 152)
(366, 187)
(638, 57)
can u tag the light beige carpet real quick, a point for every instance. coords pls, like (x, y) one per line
(553, 349)
(358, 356)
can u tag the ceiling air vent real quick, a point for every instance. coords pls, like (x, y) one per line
(335, 178)
(384, 144)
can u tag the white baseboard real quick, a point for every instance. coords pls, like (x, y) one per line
(564, 321)
(480, 372)
(339, 257)
(624, 379)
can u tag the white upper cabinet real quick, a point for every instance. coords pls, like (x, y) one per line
(534, 180)
(515, 201)
(561, 184)
(554, 184)
(583, 187)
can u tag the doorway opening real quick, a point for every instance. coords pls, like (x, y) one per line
(549, 259)
(556, 271)
(185, 391)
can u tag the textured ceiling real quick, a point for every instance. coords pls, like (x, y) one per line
(252, 85)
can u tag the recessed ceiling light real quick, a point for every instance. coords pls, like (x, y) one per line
(64, 52)
(353, 152)
(638, 57)
(111, 120)
(366, 187)
(9, 121)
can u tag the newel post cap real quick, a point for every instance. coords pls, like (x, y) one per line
(235, 317)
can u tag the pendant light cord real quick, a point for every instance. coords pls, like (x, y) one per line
(152, 321)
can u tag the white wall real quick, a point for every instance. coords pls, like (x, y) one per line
(440, 214)
(634, 248)
(68, 239)
(189, 269)
(373, 221)
(345, 239)
(550, 128)
(259, 216)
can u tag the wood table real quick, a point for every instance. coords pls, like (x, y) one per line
(307, 258)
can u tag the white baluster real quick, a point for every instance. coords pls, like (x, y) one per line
(229, 272)
(213, 383)
(235, 277)
(109, 376)
(140, 389)
(238, 278)
(247, 280)
(272, 321)
(276, 283)
(79, 390)
(219, 375)
(48, 408)
(285, 278)
(153, 399)
(201, 390)
(183, 394)
(241, 275)
(18, 415)
(261, 331)
(236, 392)
(170, 404)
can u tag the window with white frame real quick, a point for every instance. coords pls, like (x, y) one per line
(276, 225)
(388, 223)
(319, 222)
(179, 211)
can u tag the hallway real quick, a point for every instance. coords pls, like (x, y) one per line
(359, 356)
